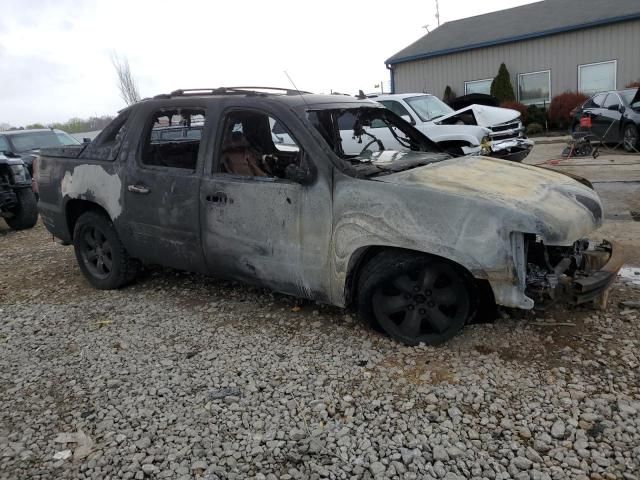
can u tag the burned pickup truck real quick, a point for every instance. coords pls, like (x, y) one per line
(411, 237)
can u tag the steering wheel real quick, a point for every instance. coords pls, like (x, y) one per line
(275, 165)
(402, 142)
(371, 142)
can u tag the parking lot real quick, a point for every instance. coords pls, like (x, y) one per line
(182, 376)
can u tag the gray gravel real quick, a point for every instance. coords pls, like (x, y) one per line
(184, 377)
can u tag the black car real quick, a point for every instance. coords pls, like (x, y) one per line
(615, 117)
(27, 143)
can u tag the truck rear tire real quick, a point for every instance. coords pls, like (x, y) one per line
(100, 254)
(26, 214)
(415, 298)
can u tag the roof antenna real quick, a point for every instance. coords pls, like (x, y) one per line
(438, 12)
(296, 89)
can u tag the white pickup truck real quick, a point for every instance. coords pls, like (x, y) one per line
(474, 130)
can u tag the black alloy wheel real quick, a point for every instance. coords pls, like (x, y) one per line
(421, 300)
(96, 252)
(100, 253)
(631, 138)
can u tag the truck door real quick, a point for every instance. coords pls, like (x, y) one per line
(161, 190)
(257, 225)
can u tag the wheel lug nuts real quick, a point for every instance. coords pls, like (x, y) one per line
(416, 289)
(422, 311)
(411, 307)
(431, 304)
(407, 296)
(428, 293)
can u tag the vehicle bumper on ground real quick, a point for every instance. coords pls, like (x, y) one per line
(593, 286)
(515, 150)
(584, 274)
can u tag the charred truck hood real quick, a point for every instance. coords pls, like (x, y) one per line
(554, 206)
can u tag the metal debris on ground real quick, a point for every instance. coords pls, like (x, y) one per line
(220, 393)
(84, 443)
(554, 324)
(629, 274)
(630, 304)
(62, 455)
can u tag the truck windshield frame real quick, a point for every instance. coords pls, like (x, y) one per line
(330, 122)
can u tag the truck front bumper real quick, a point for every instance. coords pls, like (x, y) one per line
(513, 149)
(605, 269)
(584, 273)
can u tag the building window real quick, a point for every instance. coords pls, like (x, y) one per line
(535, 87)
(478, 86)
(597, 77)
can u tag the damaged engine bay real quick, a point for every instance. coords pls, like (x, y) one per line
(571, 274)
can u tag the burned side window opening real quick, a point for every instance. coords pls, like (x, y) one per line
(372, 139)
(255, 144)
(107, 145)
(174, 138)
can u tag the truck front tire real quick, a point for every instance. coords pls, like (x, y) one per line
(100, 254)
(415, 298)
(26, 214)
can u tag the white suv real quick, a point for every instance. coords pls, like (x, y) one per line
(474, 130)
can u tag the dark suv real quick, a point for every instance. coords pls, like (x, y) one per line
(615, 117)
(27, 143)
(17, 201)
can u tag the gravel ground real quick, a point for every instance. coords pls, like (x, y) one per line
(184, 377)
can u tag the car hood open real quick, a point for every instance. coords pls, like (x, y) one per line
(558, 202)
(484, 115)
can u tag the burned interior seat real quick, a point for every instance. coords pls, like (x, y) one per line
(239, 157)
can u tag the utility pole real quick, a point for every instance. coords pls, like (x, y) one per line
(438, 12)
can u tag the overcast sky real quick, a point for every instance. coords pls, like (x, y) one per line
(55, 55)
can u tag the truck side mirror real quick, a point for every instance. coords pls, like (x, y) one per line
(86, 140)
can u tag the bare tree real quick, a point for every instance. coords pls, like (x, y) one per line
(126, 83)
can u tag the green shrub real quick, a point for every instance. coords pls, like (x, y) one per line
(536, 114)
(534, 129)
(501, 87)
(449, 95)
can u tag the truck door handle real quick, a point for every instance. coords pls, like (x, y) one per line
(218, 197)
(138, 189)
